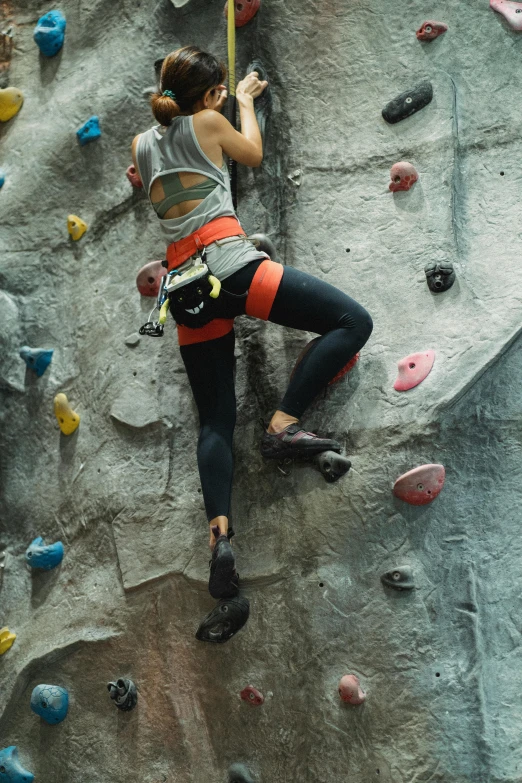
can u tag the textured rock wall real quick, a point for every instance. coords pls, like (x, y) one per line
(441, 664)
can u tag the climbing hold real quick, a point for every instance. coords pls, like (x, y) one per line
(11, 771)
(295, 176)
(149, 277)
(350, 690)
(50, 702)
(238, 773)
(179, 3)
(67, 418)
(346, 369)
(11, 101)
(38, 555)
(90, 131)
(439, 276)
(6, 640)
(124, 694)
(429, 30)
(245, 10)
(49, 33)
(413, 369)
(403, 176)
(228, 617)
(37, 359)
(512, 12)
(400, 578)
(264, 244)
(134, 177)
(421, 485)
(407, 103)
(132, 340)
(2, 179)
(263, 102)
(76, 227)
(252, 696)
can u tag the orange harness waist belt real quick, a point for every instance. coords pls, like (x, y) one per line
(219, 228)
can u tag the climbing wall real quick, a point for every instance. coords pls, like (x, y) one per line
(439, 662)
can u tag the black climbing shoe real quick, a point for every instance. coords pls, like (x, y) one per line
(295, 443)
(224, 581)
(223, 622)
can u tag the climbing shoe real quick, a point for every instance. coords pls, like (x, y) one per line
(224, 581)
(295, 443)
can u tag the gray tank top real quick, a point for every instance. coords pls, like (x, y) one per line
(177, 149)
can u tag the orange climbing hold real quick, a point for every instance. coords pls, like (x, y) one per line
(420, 486)
(350, 690)
(413, 369)
(245, 10)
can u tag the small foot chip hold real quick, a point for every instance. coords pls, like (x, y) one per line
(36, 359)
(148, 279)
(11, 101)
(223, 622)
(350, 690)
(332, 465)
(430, 30)
(76, 227)
(408, 103)
(403, 176)
(6, 640)
(49, 33)
(11, 771)
(238, 773)
(439, 276)
(124, 694)
(67, 418)
(50, 702)
(420, 486)
(512, 12)
(400, 578)
(89, 131)
(252, 696)
(134, 177)
(38, 555)
(245, 10)
(413, 369)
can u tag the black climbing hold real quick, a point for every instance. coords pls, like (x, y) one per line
(263, 103)
(224, 621)
(238, 773)
(439, 277)
(124, 694)
(333, 466)
(158, 64)
(407, 103)
(400, 578)
(265, 244)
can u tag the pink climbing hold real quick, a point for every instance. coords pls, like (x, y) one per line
(134, 177)
(512, 12)
(252, 696)
(347, 367)
(245, 10)
(403, 176)
(350, 690)
(413, 369)
(149, 278)
(430, 30)
(420, 486)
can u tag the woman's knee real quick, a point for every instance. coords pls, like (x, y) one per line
(358, 320)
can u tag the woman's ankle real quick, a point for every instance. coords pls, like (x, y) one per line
(280, 421)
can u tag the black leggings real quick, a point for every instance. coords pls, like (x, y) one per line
(301, 302)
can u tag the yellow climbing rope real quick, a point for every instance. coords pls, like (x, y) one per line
(231, 29)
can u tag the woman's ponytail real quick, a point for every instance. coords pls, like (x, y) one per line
(164, 108)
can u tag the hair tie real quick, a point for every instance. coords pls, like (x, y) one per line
(169, 94)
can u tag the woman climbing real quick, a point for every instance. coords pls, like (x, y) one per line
(180, 162)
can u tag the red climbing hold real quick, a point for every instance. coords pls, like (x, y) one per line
(429, 30)
(421, 485)
(252, 696)
(403, 176)
(347, 367)
(512, 12)
(134, 177)
(245, 10)
(149, 278)
(413, 369)
(350, 690)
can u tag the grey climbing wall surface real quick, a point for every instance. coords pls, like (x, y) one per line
(441, 664)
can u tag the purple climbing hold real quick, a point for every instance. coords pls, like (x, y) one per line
(90, 131)
(413, 369)
(49, 33)
(36, 359)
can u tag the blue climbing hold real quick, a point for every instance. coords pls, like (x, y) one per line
(38, 555)
(11, 771)
(89, 131)
(37, 359)
(2, 178)
(49, 33)
(50, 702)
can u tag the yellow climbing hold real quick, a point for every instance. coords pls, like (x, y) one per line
(76, 226)
(67, 418)
(11, 101)
(6, 640)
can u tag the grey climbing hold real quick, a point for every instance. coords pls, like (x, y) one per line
(224, 621)
(239, 773)
(124, 694)
(265, 244)
(136, 406)
(400, 578)
(439, 276)
(263, 103)
(132, 340)
(408, 103)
